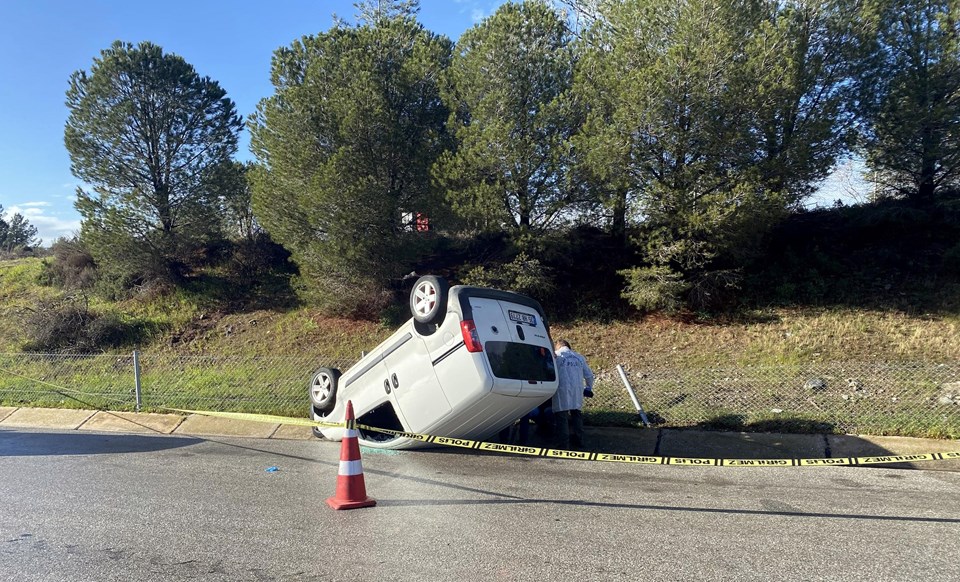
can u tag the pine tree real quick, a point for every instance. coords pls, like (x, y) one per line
(143, 130)
(344, 149)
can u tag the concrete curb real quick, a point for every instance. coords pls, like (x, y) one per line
(6, 411)
(132, 422)
(628, 441)
(63, 419)
(145, 423)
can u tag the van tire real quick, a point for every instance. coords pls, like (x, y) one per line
(323, 389)
(428, 299)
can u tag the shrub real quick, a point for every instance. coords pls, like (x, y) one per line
(653, 288)
(712, 290)
(523, 274)
(339, 295)
(253, 259)
(72, 266)
(70, 326)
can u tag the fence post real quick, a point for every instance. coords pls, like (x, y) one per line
(633, 396)
(136, 379)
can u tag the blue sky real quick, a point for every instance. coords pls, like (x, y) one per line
(43, 41)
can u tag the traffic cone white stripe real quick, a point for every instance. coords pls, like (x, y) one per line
(351, 433)
(351, 468)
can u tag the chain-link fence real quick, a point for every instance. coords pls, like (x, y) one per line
(910, 399)
(270, 385)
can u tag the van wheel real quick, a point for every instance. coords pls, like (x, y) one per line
(323, 389)
(428, 299)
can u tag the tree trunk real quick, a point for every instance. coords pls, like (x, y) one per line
(928, 169)
(618, 228)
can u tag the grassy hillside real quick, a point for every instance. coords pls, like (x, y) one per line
(864, 299)
(180, 323)
(877, 282)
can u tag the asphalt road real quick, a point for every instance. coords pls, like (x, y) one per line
(90, 506)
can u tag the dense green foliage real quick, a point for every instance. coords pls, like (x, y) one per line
(228, 185)
(638, 154)
(144, 130)
(888, 254)
(910, 97)
(344, 147)
(715, 119)
(506, 88)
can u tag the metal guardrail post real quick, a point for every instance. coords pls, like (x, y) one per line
(136, 379)
(633, 396)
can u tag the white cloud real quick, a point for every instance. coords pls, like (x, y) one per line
(49, 227)
(479, 9)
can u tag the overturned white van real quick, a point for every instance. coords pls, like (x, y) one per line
(468, 363)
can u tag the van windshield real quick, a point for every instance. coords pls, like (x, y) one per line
(520, 361)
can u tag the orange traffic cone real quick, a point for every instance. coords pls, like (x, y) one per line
(351, 491)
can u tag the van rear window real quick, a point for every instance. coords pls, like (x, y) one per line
(520, 361)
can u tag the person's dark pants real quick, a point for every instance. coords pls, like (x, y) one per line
(524, 436)
(568, 429)
(522, 433)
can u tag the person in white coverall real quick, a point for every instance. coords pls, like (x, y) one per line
(576, 381)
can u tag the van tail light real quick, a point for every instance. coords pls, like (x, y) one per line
(470, 336)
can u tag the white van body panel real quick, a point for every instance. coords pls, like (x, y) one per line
(491, 326)
(436, 386)
(416, 390)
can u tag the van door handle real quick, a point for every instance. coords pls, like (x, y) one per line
(386, 386)
(396, 384)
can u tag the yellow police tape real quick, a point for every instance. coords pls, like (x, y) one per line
(585, 456)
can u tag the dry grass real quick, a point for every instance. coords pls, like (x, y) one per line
(770, 337)
(20, 291)
(776, 337)
(299, 332)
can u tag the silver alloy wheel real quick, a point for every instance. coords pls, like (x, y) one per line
(321, 389)
(425, 298)
(428, 302)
